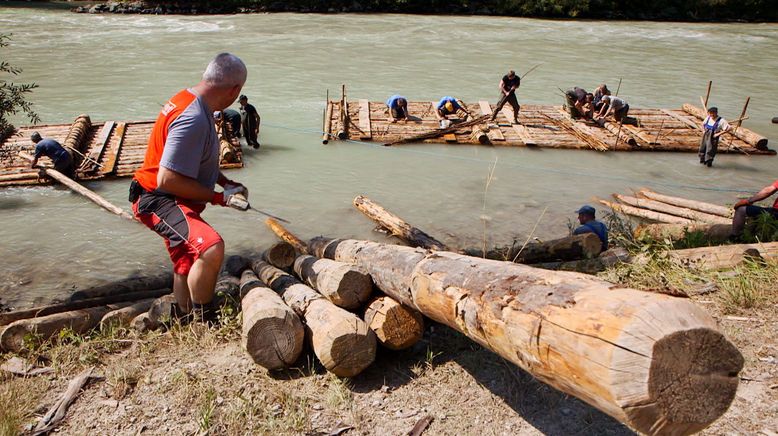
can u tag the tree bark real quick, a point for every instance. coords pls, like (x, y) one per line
(397, 327)
(712, 209)
(748, 136)
(273, 335)
(645, 213)
(585, 246)
(605, 260)
(76, 138)
(280, 255)
(714, 233)
(723, 256)
(346, 285)
(655, 362)
(342, 342)
(682, 212)
(9, 317)
(124, 316)
(396, 225)
(126, 286)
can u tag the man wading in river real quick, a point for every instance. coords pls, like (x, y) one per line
(712, 128)
(177, 178)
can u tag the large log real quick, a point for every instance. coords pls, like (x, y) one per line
(683, 212)
(396, 225)
(9, 317)
(645, 213)
(605, 260)
(126, 286)
(123, 317)
(346, 285)
(342, 342)
(721, 257)
(709, 208)
(272, 333)
(585, 246)
(280, 255)
(655, 362)
(713, 233)
(76, 138)
(44, 328)
(397, 327)
(748, 136)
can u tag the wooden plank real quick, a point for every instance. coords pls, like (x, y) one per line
(112, 156)
(494, 132)
(685, 120)
(364, 120)
(450, 137)
(523, 131)
(90, 164)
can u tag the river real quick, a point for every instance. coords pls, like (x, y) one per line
(117, 67)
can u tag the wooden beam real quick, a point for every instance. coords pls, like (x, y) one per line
(524, 133)
(494, 132)
(364, 120)
(90, 164)
(112, 155)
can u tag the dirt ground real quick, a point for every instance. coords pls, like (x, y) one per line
(199, 381)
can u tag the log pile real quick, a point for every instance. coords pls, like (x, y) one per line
(659, 208)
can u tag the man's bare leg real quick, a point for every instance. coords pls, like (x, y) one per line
(181, 292)
(739, 221)
(205, 270)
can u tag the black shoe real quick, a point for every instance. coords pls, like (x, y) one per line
(709, 163)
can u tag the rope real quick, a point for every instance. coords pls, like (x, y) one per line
(524, 167)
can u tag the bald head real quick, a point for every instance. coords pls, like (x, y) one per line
(225, 70)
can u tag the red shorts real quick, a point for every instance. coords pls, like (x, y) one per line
(186, 234)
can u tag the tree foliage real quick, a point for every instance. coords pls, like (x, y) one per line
(13, 96)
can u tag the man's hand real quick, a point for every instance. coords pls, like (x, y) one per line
(742, 203)
(225, 198)
(237, 186)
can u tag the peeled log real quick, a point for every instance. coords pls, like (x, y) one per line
(675, 232)
(124, 316)
(397, 225)
(280, 255)
(655, 362)
(397, 327)
(723, 256)
(605, 260)
(286, 235)
(272, 333)
(125, 286)
(658, 206)
(46, 327)
(746, 135)
(713, 209)
(346, 285)
(341, 341)
(645, 213)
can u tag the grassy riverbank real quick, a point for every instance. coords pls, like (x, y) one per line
(194, 379)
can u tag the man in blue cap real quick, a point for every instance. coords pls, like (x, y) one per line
(591, 225)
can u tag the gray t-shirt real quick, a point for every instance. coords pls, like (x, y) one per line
(192, 145)
(617, 103)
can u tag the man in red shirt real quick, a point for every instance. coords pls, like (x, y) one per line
(177, 179)
(745, 208)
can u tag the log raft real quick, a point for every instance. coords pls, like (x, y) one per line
(654, 362)
(115, 149)
(540, 126)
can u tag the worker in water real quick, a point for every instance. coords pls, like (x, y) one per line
(746, 208)
(449, 106)
(713, 126)
(590, 225)
(233, 120)
(398, 108)
(250, 121)
(508, 86)
(615, 106)
(63, 161)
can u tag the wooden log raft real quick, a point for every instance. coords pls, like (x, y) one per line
(341, 341)
(683, 212)
(712, 209)
(43, 328)
(654, 362)
(397, 327)
(396, 225)
(675, 232)
(347, 286)
(273, 334)
(750, 137)
(585, 246)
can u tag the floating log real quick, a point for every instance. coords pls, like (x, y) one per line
(722, 256)
(9, 317)
(585, 246)
(397, 327)
(327, 123)
(712, 209)
(77, 135)
(272, 333)
(654, 362)
(280, 255)
(286, 236)
(658, 206)
(713, 233)
(749, 137)
(123, 317)
(645, 213)
(126, 286)
(100, 201)
(342, 342)
(44, 328)
(396, 225)
(346, 285)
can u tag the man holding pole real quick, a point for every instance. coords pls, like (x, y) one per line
(712, 128)
(508, 86)
(177, 179)
(52, 149)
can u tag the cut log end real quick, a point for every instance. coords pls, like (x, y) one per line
(692, 381)
(348, 347)
(274, 339)
(280, 255)
(397, 327)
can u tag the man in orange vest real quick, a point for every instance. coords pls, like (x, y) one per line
(177, 180)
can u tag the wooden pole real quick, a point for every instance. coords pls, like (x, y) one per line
(654, 362)
(739, 121)
(397, 327)
(658, 206)
(707, 95)
(342, 342)
(618, 88)
(100, 201)
(273, 334)
(396, 225)
(645, 213)
(327, 121)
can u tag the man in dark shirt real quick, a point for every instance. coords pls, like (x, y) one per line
(508, 86)
(52, 149)
(250, 121)
(232, 117)
(591, 225)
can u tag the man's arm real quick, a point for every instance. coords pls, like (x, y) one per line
(759, 196)
(183, 186)
(502, 87)
(723, 130)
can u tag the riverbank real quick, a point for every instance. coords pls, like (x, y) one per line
(705, 11)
